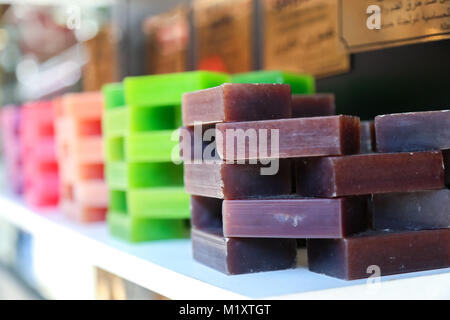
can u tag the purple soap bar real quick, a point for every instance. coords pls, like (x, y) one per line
(206, 213)
(313, 105)
(369, 173)
(239, 256)
(413, 131)
(295, 218)
(293, 138)
(411, 210)
(198, 143)
(446, 157)
(237, 181)
(237, 102)
(367, 137)
(358, 256)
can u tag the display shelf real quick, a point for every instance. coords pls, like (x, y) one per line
(167, 267)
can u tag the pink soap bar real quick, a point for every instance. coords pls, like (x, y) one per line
(42, 190)
(313, 105)
(85, 214)
(93, 193)
(85, 105)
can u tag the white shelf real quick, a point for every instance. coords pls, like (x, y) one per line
(167, 267)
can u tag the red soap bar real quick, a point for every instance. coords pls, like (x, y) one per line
(369, 173)
(313, 105)
(237, 181)
(367, 137)
(239, 256)
(413, 131)
(411, 210)
(300, 137)
(295, 218)
(237, 102)
(390, 252)
(446, 157)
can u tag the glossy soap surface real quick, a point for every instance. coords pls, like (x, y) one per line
(369, 173)
(237, 102)
(391, 252)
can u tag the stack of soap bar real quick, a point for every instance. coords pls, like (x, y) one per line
(83, 191)
(10, 126)
(410, 220)
(147, 198)
(209, 183)
(41, 178)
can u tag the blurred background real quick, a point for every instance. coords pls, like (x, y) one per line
(51, 47)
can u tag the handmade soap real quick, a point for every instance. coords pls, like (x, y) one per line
(154, 146)
(413, 131)
(113, 95)
(295, 218)
(390, 252)
(411, 210)
(367, 137)
(239, 256)
(115, 122)
(300, 83)
(198, 143)
(158, 203)
(446, 157)
(292, 138)
(167, 89)
(137, 229)
(369, 173)
(206, 213)
(313, 105)
(236, 181)
(237, 102)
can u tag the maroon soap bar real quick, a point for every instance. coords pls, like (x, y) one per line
(293, 138)
(239, 256)
(198, 143)
(367, 137)
(295, 218)
(393, 252)
(369, 173)
(206, 213)
(413, 131)
(237, 102)
(313, 105)
(446, 157)
(411, 210)
(237, 181)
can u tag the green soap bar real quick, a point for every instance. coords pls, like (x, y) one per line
(115, 149)
(118, 201)
(115, 122)
(133, 229)
(167, 89)
(154, 146)
(300, 83)
(159, 203)
(113, 95)
(154, 174)
(152, 118)
(116, 175)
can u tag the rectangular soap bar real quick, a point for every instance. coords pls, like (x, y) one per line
(411, 210)
(133, 229)
(313, 105)
(369, 173)
(113, 95)
(367, 137)
(236, 181)
(82, 213)
(154, 146)
(237, 102)
(392, 252)
(167, 89)
(293, 138)
(206, 213)
(85, 105)
(413, 131)
(446, 157)
(198, 143)
(239, 256)
(300, 83)
(295, 218)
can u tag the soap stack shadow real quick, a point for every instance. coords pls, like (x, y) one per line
(409, 202)
(10, 126)
(40, 168)
(79, 149)
(147, 198)
(245, 219)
